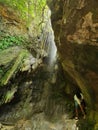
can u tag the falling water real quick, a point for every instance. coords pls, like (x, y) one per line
(52, 50)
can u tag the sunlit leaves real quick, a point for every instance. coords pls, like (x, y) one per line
(27, 8)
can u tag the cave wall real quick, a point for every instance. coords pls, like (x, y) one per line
(75, 25)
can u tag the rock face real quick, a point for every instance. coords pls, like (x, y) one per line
(75, 25)
(30, 84)
(42, 91)
(10, 22)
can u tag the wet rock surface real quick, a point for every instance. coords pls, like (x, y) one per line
(38, 122)
(75, 28)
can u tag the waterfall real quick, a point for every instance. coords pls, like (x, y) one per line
(52, 50)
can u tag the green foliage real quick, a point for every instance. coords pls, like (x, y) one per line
(32, 12)
(9, 41)
(28, 9)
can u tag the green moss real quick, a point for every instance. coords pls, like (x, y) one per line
(6, 56)
(14, 68)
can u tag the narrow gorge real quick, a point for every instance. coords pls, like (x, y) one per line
(48, 50)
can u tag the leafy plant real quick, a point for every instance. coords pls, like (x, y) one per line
(10, 41)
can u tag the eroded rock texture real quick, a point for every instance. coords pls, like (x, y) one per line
(75, 24)
(10, 22)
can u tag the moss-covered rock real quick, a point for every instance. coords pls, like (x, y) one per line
(19, 56)
(8, 55)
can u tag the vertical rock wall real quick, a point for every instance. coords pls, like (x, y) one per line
(75, 25)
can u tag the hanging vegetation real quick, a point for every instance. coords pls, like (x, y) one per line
(28, 9)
